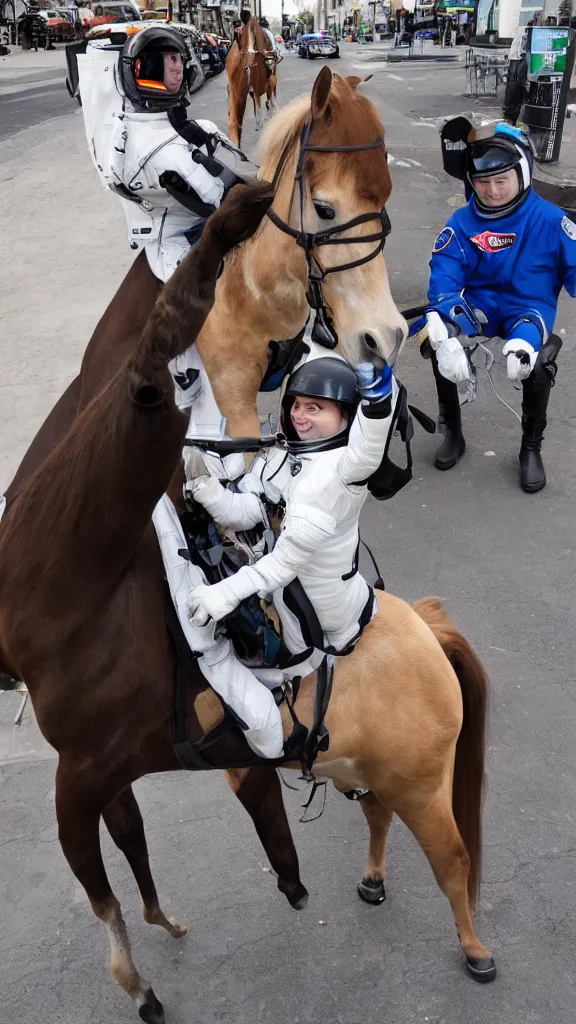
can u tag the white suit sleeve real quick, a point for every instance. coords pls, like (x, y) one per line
(305, 529)
(230, 509)
(176, 156)
(366, 444)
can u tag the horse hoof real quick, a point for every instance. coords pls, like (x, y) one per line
(481, 968)
(177, 930)
(296, 895)
(152, 1011)
(372, 890)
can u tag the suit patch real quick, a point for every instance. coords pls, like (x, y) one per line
(443, 240)
(568, 227)
(490, 241)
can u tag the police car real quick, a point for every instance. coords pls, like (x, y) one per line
(317, 44)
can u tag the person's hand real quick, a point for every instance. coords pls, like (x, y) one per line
(206, 603)
(520, 358)
(437, 329)
(194, 465)
(453, 361)
(241, 212)
(374, 386)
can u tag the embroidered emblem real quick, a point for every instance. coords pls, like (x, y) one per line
(443, 240)
(489, 241)
(569, 228)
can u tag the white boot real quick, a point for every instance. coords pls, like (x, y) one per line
(235, 683)
(248, 697)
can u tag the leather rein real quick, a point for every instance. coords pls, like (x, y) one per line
(323, 331)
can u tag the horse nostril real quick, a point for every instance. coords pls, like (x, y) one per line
(371, 343)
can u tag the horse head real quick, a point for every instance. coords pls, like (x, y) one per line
(331, 152)
(252, 40)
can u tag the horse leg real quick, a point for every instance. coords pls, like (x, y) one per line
(259, 791)
(257, 110)
(371, 888)
(432, 823)
(124, 823)
(78, 810)
(236, 110)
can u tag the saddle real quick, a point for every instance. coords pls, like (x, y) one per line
(259, 646)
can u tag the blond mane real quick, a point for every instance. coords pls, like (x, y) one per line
(352, 120)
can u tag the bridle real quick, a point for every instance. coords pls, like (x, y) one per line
(323, 329)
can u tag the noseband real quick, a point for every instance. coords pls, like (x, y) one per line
(323, 330)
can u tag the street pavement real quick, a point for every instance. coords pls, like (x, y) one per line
(503, 562)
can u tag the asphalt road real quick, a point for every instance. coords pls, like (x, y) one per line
(33, 93)
(503, 562)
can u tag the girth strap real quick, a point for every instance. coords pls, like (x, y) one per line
(318, 737)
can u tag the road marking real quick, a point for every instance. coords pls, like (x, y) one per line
(46, 83)
(397, 78)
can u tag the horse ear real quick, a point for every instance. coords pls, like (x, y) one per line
(245, 16)
(354, 80)
(321, 93)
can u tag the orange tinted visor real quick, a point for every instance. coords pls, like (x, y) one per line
(146, 83)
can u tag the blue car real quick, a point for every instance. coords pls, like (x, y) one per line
(317, 44)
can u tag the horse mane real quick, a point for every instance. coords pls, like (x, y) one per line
(351, 120)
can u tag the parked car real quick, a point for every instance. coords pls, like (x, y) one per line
(317, 44)
(109, 11)
(42, 28)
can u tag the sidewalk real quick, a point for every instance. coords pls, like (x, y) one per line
(557, 182)
(424, 49)
(22, 62)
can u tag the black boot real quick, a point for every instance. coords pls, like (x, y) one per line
(450, 420)
(536, 392)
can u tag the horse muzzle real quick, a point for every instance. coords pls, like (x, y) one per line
(378, 347)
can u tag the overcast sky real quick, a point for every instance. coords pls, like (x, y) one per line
(271, 8)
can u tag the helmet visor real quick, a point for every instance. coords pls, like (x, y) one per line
(488, 158)
(160, 72)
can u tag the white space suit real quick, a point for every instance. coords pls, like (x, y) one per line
(132, 149)
(324, 494)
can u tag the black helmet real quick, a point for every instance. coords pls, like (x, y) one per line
(264, 23)
(328, 377)
(507, 149)
(142, 68)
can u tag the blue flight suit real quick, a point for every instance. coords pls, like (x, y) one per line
(512, 268)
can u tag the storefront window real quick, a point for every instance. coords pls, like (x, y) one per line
(488, 16)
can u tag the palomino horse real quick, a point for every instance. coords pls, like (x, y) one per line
(82, 621)
(262, 292)
(248, 75)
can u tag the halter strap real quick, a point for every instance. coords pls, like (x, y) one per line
(308, 241)
(344, 149)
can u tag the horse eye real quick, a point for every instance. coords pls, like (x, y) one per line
(324, 210)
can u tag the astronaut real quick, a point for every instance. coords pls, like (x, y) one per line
(497, 269)
(337, 429)
(170, 173)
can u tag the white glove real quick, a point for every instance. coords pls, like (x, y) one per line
(194, 465)
(437, 329)
(205, 603)
(517, 368)
(452, 361)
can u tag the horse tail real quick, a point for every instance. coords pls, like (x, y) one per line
(468, 787)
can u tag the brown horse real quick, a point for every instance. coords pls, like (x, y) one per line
(248, 75)
(82, 621)
(258, 297)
